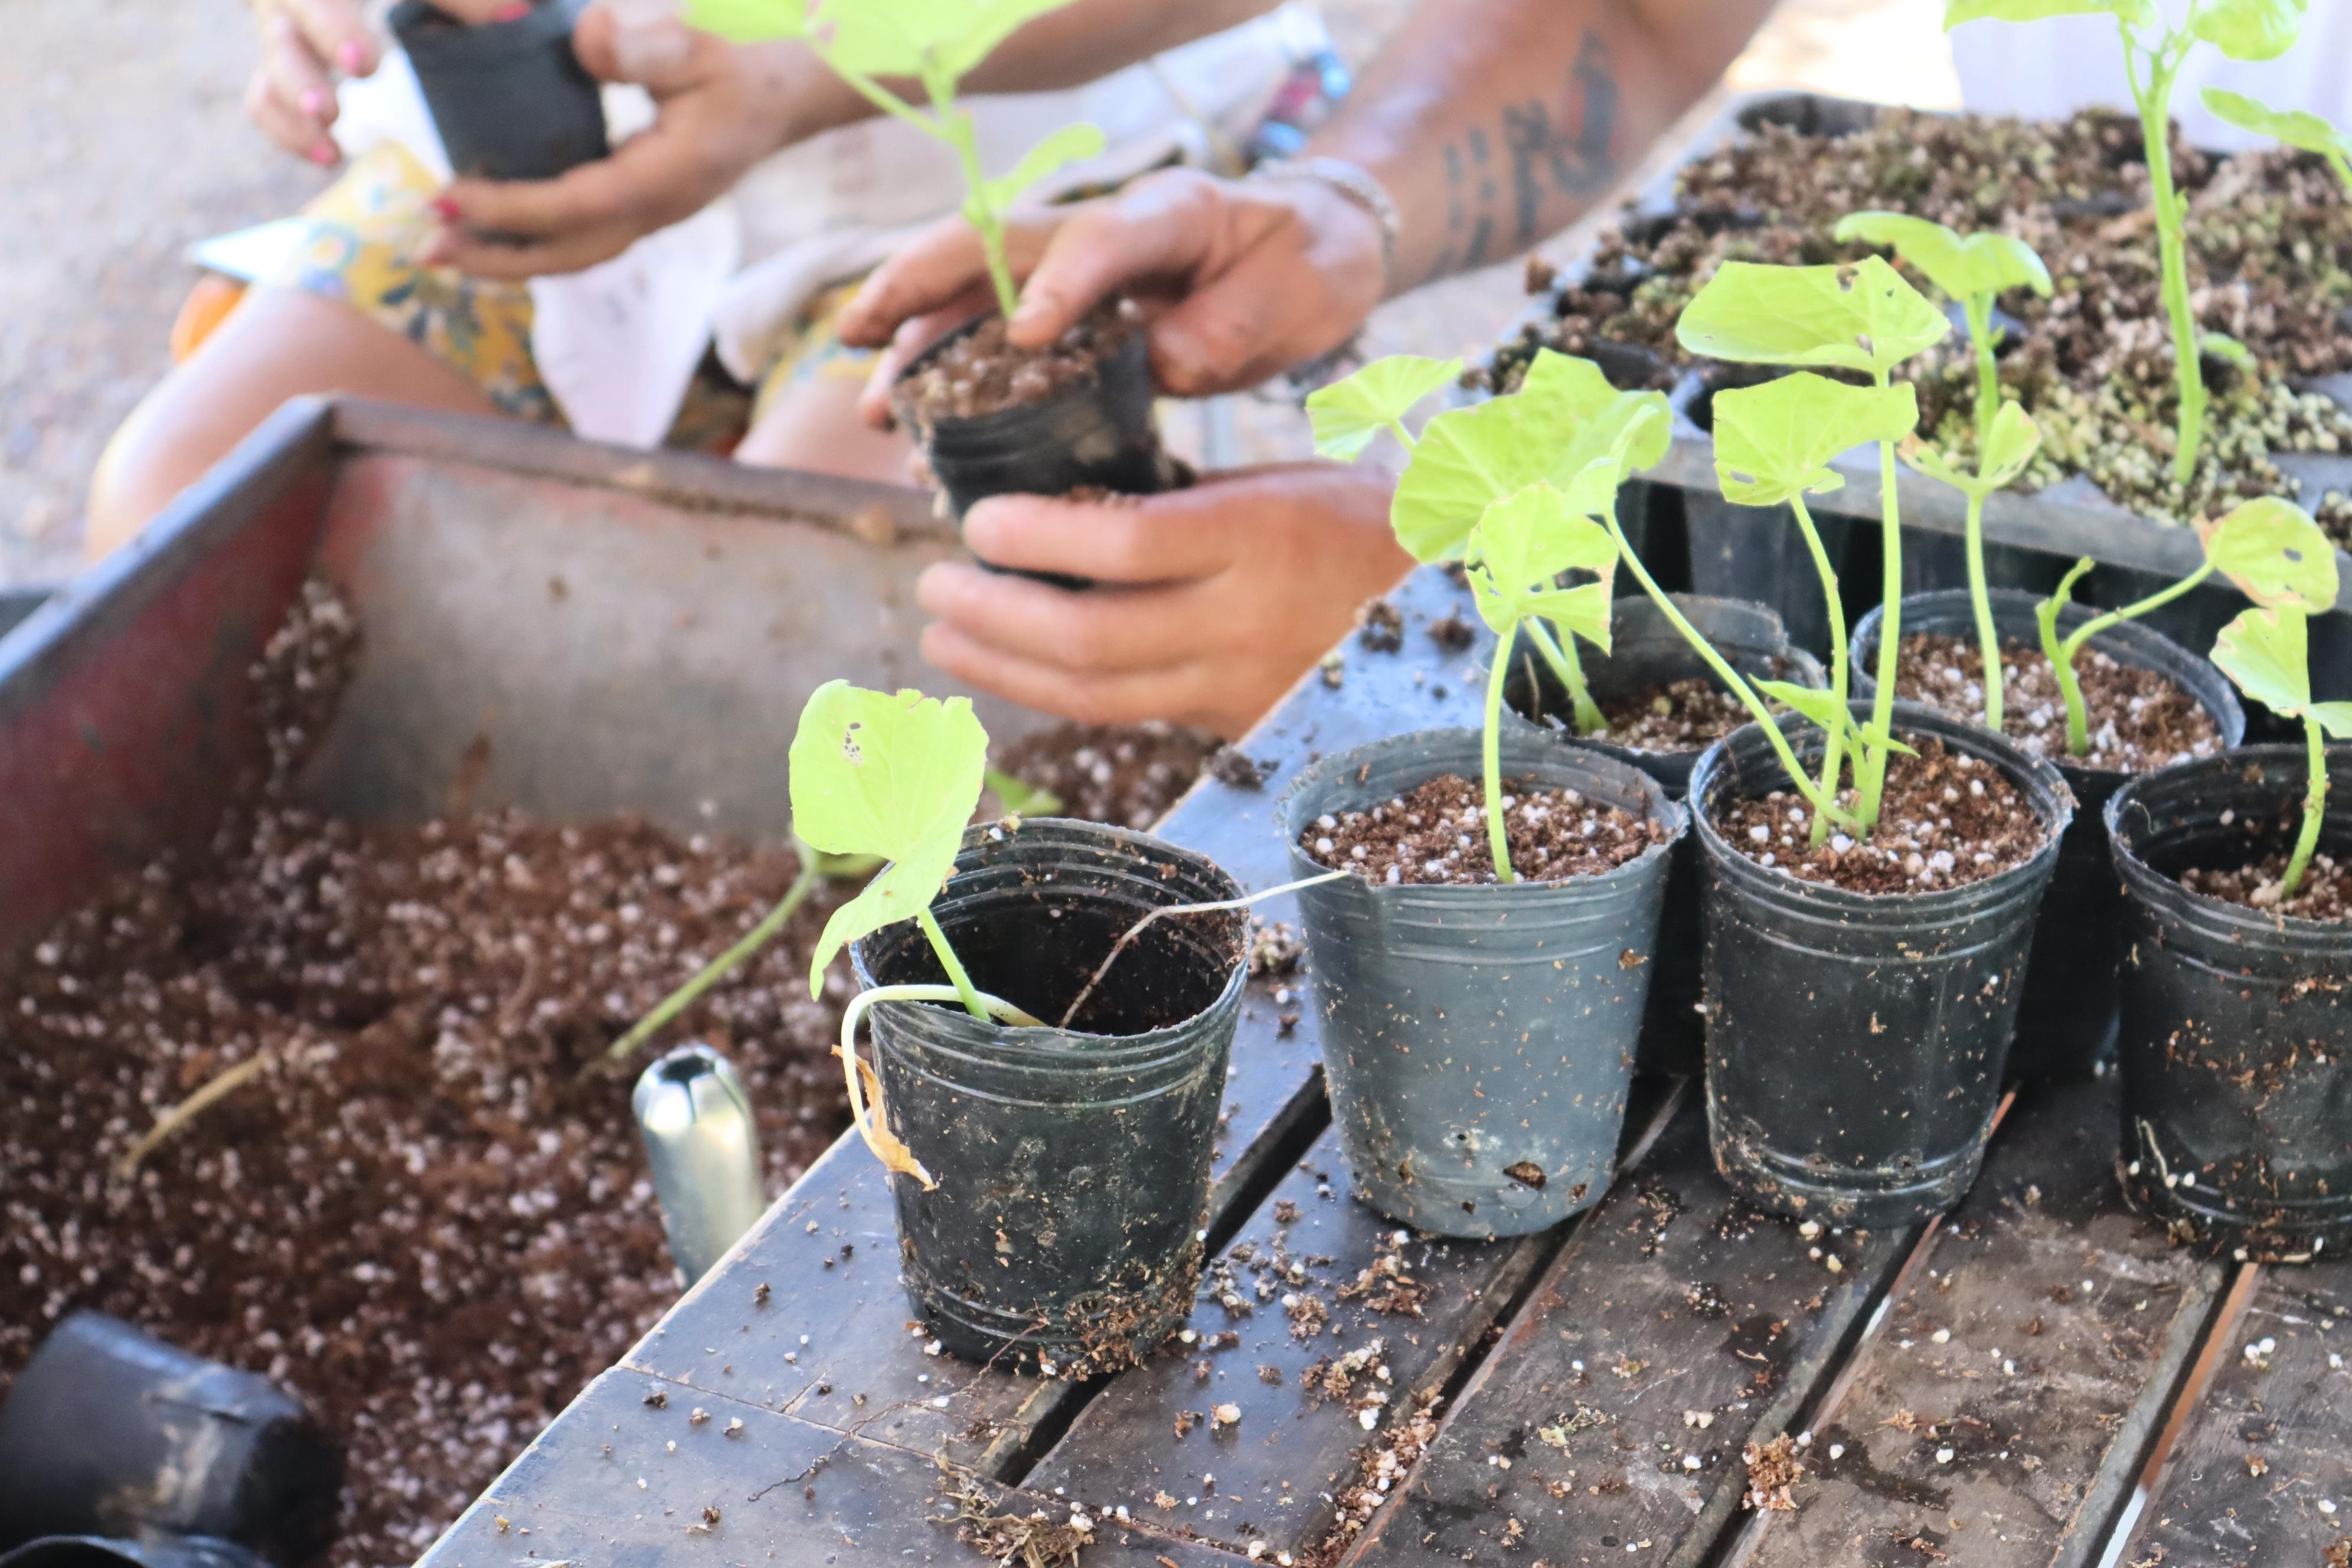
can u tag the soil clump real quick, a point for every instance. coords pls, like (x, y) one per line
(978, 372)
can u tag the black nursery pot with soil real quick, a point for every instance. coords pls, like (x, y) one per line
(2236, 1044)
(2066, 1024)
(1072, 1163)
(510, 99)
(1855, 1041)
(1074, 415)
(1646, 655)
(1479, 1038)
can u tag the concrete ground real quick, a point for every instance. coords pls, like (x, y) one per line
(121, 141)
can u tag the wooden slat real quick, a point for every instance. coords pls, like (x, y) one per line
(1272, 1478)
(856, 1313)
(1672, 1297)
(2013, 1393)
(2268, 1451)
(621, 1482)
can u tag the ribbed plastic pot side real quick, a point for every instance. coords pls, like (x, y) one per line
(2066, 1023)
(1479, 1040)
(2236, 1040)
(1646, 650)
(1855, 1042)
(1072, 1165)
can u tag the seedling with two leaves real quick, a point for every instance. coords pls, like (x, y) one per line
(2308, 132)
(1515, 487)
(1773, 444)
(876, 45)
(2155, 48)
(2271, 548)
(2266, 650)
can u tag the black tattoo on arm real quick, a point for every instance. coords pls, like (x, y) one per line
(1548, 160)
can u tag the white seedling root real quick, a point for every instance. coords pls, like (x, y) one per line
(217, 1088)
(1137, 928)
(886, 1145)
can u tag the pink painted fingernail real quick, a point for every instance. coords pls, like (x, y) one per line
(314, 103)
(445, 209)
(514, 13)
(353, 57)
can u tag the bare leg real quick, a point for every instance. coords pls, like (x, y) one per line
(815, 426)
(279, 343)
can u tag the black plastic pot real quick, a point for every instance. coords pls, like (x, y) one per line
(156, 1551)
(2067, 1025)
(1479, 1040)
(2236, 1044)
(1645, 650)
(1090, 433)
(1072, 1164)
(510, 99)
(1855, 1042)
(108, 1432)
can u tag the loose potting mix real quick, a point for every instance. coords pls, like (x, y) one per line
(414, 1212)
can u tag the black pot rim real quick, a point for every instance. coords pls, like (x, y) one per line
(982, 422)
(1658, 807)
(2035, 777)
(1046, 1045)
(2220, 918)
(2126, 642)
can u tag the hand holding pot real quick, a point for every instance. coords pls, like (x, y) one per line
(291, 94)
(1246, 279)
(1208, 602)
(721, 110)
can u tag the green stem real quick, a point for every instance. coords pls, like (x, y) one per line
(1821, 801)
(2314, 811)
(1402, 434)
(1870, 773)
(1981, 597)
(1978, 310)
(757, 937)
(1561, 656)
(965, 992)
(2078, 721)
(1492, 743)
(956, 127)
(2154, 96)
(1841, 658)
(2062, 658)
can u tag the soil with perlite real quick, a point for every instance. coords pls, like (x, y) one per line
(2325, 893)
(981, 372)
(1687, 715)
(1946, 820)
(2139, 719)
(418, 1216)
(1438, 835)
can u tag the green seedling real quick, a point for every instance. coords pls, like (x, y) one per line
(2293, 127)
(1563, 416)
(877, 45)
(2271, 548)
(2266, 650)
(2154, 51)
(2002, 453)
(1863, 318)
(1975, 270)
(1019, 797)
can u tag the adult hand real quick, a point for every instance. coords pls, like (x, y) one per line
(1243, 279)
(291, 94)
(1211, 601)
(721, 109)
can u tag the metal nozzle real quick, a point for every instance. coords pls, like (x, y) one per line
(705, 1154)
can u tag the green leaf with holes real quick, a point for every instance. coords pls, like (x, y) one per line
(1859, 317)
(895, 774)
(1962, 265)
(1526, 540)
(2138, 13)
(2248, 29)
(1775, 441)
(2275, 553)
(2293, 127)
(1348, 413)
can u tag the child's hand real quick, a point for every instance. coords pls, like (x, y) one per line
(305, 45)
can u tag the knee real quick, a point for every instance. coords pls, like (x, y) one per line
(148, 461)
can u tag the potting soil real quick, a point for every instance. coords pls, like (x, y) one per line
(1126, 775)
(1946, 820)
(2139, 719)
(1687, 715)
(2326, 893)
(981, 372)
(2270, 262)
(1438, 834)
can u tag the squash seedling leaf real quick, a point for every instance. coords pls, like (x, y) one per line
(1775, 441)
(2248, 29)
(2015, 439)
(2138, 13)
(1068, 145)
(1861, 317)
(1959, 266)
(894, 774)
(2266, 652)
(749, 21)
(2307, 131)
(1348, 413)
(2275, 553)
(1525, 541)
